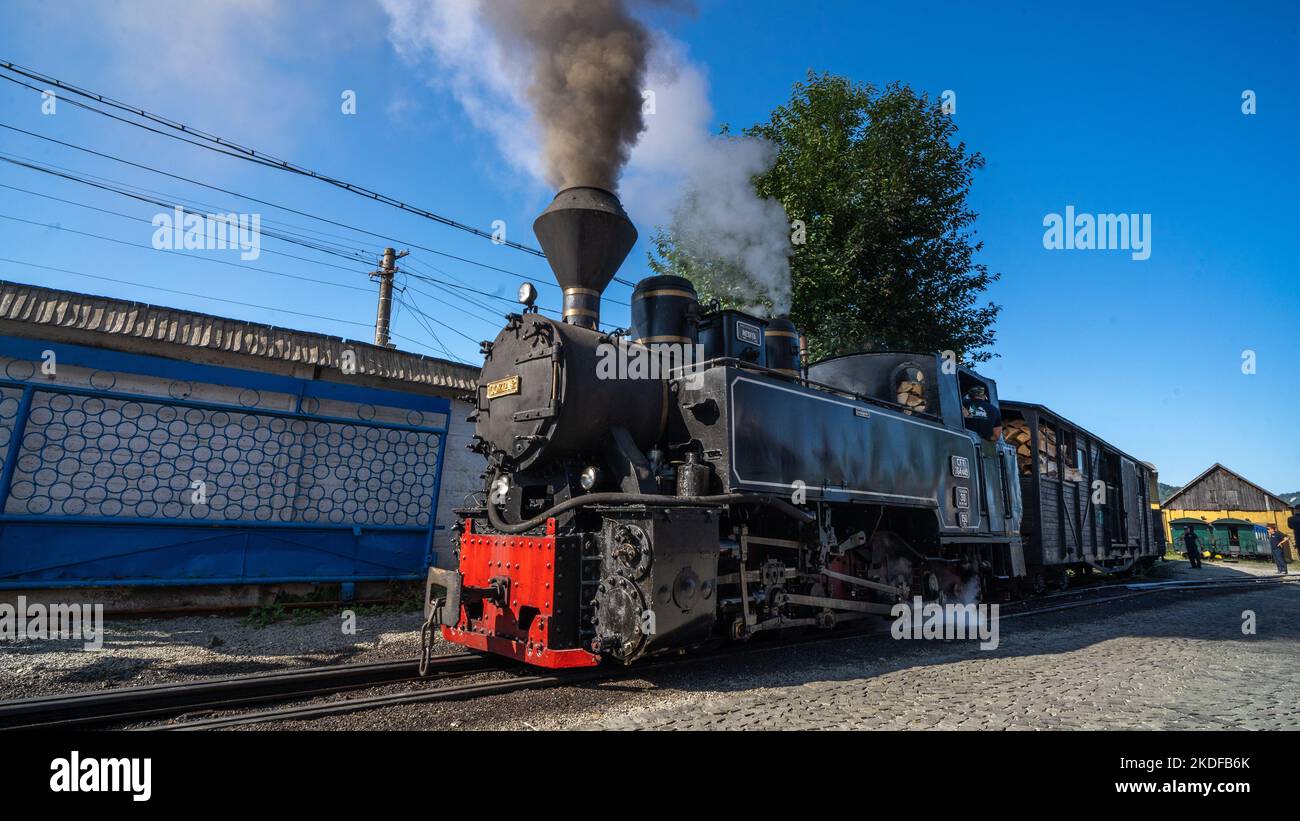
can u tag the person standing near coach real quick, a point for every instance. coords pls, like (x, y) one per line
(1193, 545)
(1279, 542)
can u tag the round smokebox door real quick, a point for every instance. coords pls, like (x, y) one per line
(517, 388)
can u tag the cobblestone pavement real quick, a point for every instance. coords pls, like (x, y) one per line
(1165, 660)
(1186, 665)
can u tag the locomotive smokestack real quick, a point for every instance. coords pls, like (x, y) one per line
(586, 235)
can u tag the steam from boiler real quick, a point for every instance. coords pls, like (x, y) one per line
(588, 60)
(740, 241)
(963, 588)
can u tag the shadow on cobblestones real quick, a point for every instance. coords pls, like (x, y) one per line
(1171, 659)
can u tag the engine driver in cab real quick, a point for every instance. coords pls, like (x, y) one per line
(981, 415)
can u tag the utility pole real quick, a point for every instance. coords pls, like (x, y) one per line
(383, 319)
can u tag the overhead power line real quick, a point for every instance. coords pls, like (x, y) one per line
(152, 169)
(232, 263)
(406, 268)
(339, 246)
(309, 215)
(427, 328)
(113, 213)
(183, 253)
(492, 313)
(221, 145)
(316, 246)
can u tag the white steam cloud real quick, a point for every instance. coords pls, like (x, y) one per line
(743, 239)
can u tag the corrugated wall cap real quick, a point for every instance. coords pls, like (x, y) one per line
(39, 306)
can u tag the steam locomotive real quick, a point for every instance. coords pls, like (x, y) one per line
(729, 488)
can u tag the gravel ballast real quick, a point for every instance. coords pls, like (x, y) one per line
(157, 651)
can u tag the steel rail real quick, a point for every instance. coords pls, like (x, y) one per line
(353, 705)
(124, 704)
(1196, 584)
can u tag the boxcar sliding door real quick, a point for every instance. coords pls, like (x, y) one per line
(1132, 521)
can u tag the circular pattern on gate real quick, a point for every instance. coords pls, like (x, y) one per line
(96, 456)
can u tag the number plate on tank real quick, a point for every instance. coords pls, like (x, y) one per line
(961, 467)
(503, 387)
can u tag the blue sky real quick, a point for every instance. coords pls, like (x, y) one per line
(1119, 107)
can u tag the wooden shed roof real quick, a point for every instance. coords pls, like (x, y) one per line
(111, 318)
(1169, 503)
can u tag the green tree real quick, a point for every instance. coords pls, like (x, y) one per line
(880, 185)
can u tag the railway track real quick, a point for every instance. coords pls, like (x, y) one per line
(542, 680)
(353, 705)
(136, 704)
(1134, 590)
(128, 704)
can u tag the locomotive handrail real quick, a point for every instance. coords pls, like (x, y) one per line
(647, 499)
(802, 380)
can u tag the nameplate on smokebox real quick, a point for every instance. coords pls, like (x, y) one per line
(503, 387)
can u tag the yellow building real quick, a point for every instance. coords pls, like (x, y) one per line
(1220, 493)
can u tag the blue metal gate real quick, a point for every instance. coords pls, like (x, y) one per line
(140, 470)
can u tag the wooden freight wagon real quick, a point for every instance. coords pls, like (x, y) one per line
(1087, 503)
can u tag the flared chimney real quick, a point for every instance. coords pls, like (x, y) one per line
(586, 236)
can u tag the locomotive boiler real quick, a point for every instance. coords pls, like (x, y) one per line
(692, 480)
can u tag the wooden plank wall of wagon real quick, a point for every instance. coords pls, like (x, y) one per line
(1070, 521)
(1050, 524)
(1091, 519)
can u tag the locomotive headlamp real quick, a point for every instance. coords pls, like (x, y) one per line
(527, 294)
(590, 476)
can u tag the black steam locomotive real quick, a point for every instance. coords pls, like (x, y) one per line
(696, 479)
